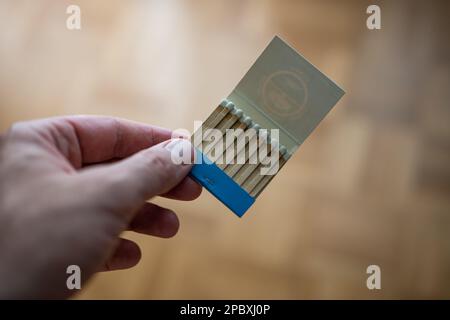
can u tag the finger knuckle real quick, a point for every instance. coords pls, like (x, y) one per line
(17, 129)
(160, 165)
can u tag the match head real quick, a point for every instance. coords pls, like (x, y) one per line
(247, 121)
(255, 127)
(230, 105)
(237, 112)
(224, 103)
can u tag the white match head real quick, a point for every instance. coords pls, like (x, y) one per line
(224, 103)
(247, 120)
(255, 126)
(230, 106)
(237, 112)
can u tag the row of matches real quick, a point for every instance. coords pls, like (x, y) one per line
(247, 175)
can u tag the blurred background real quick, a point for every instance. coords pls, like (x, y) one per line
(371, 185)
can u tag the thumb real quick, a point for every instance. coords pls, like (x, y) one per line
(128, 183)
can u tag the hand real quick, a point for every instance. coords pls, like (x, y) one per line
(69, 187)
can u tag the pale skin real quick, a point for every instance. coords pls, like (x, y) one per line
(69, 187)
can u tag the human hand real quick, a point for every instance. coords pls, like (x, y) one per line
(64, 199)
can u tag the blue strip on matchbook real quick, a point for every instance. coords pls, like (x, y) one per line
(221, 185)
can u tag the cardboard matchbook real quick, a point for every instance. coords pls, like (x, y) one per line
(272, 110)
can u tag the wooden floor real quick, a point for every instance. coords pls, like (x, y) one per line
(370, 186)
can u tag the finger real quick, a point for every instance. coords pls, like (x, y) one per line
(105, 138)
(126, 255)
(92, 139)
(130, 182)
(186, 190)
(155, 221)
